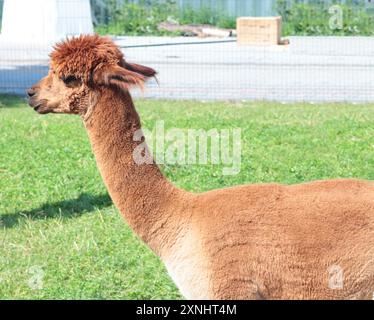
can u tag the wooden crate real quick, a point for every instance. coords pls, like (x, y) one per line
(259, 30)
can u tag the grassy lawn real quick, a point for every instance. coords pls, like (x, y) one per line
(57, 221)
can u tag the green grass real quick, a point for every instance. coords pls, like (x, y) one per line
(56, 215)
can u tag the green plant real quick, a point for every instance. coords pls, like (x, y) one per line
(140, 18)
(314, 18)
(206, 15)
(299, 18)
(144, 17)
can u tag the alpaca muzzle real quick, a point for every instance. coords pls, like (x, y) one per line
(36, 104)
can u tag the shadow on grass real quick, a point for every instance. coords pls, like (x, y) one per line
(65, 209)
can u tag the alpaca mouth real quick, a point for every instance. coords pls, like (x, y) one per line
(34, 104)
(38, 106)
(39, 109)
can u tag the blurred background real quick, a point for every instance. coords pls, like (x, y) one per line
(326, 52)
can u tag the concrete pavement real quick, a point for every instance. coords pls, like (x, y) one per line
(311, 69)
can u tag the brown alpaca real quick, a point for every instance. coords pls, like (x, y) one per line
(265, 241)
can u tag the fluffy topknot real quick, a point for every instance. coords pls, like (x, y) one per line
(80, 56)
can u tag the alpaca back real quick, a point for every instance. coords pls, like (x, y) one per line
(274, 241)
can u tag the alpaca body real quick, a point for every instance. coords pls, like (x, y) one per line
(278, 242)
(247, 242)
(265, 241)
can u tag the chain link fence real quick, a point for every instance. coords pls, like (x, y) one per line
(329, 56)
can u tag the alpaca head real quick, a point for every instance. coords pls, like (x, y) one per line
(81, 68)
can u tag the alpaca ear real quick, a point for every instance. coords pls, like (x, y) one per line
(123, 76)
(143, 70)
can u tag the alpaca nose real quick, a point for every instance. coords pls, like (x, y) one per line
(30, 92)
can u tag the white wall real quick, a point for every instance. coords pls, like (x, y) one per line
(45, 20)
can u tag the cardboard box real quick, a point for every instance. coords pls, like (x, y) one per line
(259, 30)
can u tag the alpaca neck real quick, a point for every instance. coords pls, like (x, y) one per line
(140, 191)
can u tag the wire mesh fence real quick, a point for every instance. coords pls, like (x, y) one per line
(329, 56)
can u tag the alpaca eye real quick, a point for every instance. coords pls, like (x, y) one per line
(70, 81)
